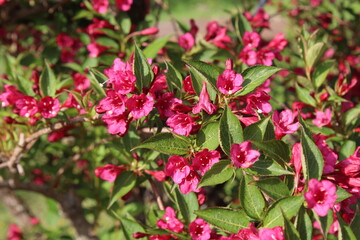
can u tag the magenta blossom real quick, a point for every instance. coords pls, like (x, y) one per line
(140, 105)
(181, 123)
(81, 82)
(243, 155)
(188, 87)
(321, 196)
(121, 76)
(229, 82)
(124, 5)
(10, 96)
(204, 102)
(101, 6)
(330, 157)
(204, 160)
(63, 40)
(186, 41)
(217, 35)
(165, 103)
(26, 106)
(257, 102)
(95, 49)
(170, 222)
(49, 107)
(251, 39)
(248, 56)
(112, 105)
(275, 233)
(177, 168)
(350, 170)
(322, 118)
(190, 183)
(284, 123)
(108, 172)
(117, 124)
(199, 230)
(14, 232)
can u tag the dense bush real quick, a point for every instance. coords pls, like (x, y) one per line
(110, 132)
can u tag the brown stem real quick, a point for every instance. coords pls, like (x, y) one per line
(157, 195)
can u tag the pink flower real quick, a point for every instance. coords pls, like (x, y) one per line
(124, 5)
(257, 101)
(275, 233)
(248, 56)
(284, 123)
(243, 155)
(158, 175)
(278, 43)
(350, 168)
(113, 104)
(321, 196)
(199, 230)
(204, 160)
(265, 57)
(49, 107)
(10, 96)
(217, 35)
(170, 222)
(121, 76)
(109, 172)
(190, 183)
(95, 49)
(34, 221)
(160, 237)
(64, 41)
(322, 118)
(101, 6)
(296, 152)
(165, 103)
(259, 20)
(149, 31)
(140, 105)
(81, 82)
(181, 123)
(251, 39)
(67, 56)
(26, 106)
(177, 168)
(117, 124)
(315, 3)
(186, 41)
(204, 102)
(188, 87)
(330, 157)
(229, 81)
(14, 232)
(250, 233)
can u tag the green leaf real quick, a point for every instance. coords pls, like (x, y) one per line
(273, 187)
(123, 184)
(173, 78)
(230, 130)
(305, 96)
(342, 194)
(208, 136)
(251, 198)
(351, 116)
(204, 72)
(25, 85)
(267, 167)
(97, 79)
(142, 69)
(107, 42)
(275, 149)
(166, 143)
(304, 225)
(257, 131)
(187, 204)
(224, 218)
(290, 206)
(290, 231)
(151, 51)
(347, 149)
(345, 232)
(255, 76)
(130, 227)
(314, 53)
(74, 66)
(321, 72)
(47, 81)
(324, 222)
(219, 173)
(241, 25)
(355, 223)
(312, 159)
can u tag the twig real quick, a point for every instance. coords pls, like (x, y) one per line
(157, 196)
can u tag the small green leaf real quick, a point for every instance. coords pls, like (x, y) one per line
(321, 72)
(25, 85)
(345, 232)
(74, 66)
(224, 218)
(355, 223)
(130, 227)
(187, 204)
(342, 194)
(142, 69)
(241, 25)
(273, 187)
(254, 76)
(305, 96)
(107, 42)
(267, 167)
(314, 53)
(230, 130)
(97, 79)
(47, 81)
(312, 159)
(290, 231)
(347, 149)
(251, 198)
(304, 225)
(173, 78)
(275, 149)
(123, 184)
(166, 143)
(258, 131)
(151, 51)
(219, 173)
(289, 206)
(208, 136)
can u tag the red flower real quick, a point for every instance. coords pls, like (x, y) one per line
(199, 230)
(140, 105)
(181, 123)
(243, 155)
(109, 172)
(49, 107)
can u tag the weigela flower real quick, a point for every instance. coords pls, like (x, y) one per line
(124, 5)
(67, 56)
(181, 123)
(321, 196)
(275, 233)
(101, 6)
(330, 157)
(170, 222)
(199, 230)
(257, 101)
(186, 41)
(278, 43)
(265, 57)
(251, 39)
(63, 40)
(350, 168)
(121, 76)
(204, 160)
(95, 27)
(10, 96)
(322, 118)
(165, 104)
(108, 172)
(188, 87)
(177, 168)
(112, 105)
(95, 49)
(217, 35)
(296, 152)
(243, 155)
(140, 105)
(190, 183)
(14, 232)
(49, 107)
(284, 123)
(204, 102)
(81, 82)
(158, 85)
(248, 56)
(229, 82)
(259, 20)
(26, 106)
(117, 124)
(160, 237)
